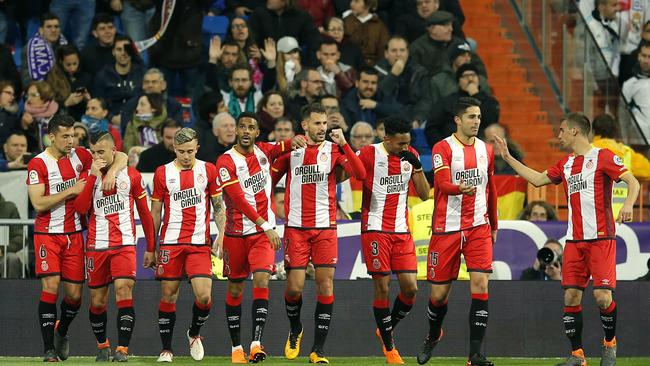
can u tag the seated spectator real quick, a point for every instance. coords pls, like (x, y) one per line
(161, 153)
(361, 134)
(243, 97)
(363, 103)
(270, 108)
(221, 60)
(311, 88)
(242, 8)
(153, 82)
(70, 83)
(39, 108)
(96, 119)
(99, 52)
(261, 60)
(350, 52)
(538, 211)
(283, 129)
(318, 10)
(38, 54)
(539, 271)
(337, 77)
(441, 123)
(144, 129)
(8, 70)
(222, 139)
(413, 24)
(500, 166)
(366, 29)
(120, 81)
(8, 210)
(80, 137)
(334, 117)
(603, 22)
(15, 155)
(636, 90)
(400, 77)
(208, 105)
(8, 110)
(289, 63)
(380, 131)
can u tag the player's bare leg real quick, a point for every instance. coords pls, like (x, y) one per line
(293, 304)
(608, 311)
(573, 326)
(478, 318)
(167, 317)
(259, 313)
(69, 310)
(436, 312)
(98, 319)
(125, 317)
(323, 315)
(202, 288)
(233, 316)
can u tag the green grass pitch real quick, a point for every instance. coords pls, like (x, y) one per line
(499, 361)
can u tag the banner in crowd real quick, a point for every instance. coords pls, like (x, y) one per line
(166, 15)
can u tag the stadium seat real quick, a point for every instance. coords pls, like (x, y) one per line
(426, 162)
(215, 25)
(419, 141)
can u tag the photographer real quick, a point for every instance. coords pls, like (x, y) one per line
(548, 264)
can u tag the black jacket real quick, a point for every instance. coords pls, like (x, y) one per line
(406, 88)
(118, 89)
(94, 57)
(154, 157)
(8, 123)
(352, 112)
(8, 69)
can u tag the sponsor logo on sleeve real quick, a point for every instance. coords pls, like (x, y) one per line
(223, 173)
(618, 161)
(437, 161)
(33, 177)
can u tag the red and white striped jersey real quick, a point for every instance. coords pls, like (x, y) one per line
(186, 198)
(252, 172)
(385, 190)
(587, 181)
(57, 176)
(473, 164)
(310, 196)
(112, 221)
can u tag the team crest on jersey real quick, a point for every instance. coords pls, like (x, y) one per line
(437, 161)
(618, 160)
(33, 177)
(263, 161)
(406, 166)
(323, 157)
(225, 176)
(200, 179)
(590, 164)
(376, 264)
(123, 185)
(79, 168)
(44, 266)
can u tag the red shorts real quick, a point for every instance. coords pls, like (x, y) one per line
(60, 255)
(582, 259)
(103, 267)
(384, 253)
(443, 261)
(318, 245)
(245, 254)
(178, 259)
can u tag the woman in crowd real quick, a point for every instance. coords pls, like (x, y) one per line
(538, 211)
(270, 107)
(288, 64)
(40, 107)
(350, 52)
(97, 119)
(144, 128)
(69, 82)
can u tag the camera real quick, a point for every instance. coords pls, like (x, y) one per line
(547, 256)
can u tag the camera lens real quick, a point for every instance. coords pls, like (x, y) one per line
(546, 256)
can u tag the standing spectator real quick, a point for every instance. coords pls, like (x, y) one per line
(8, 210)
(289, 63)
(636, 90)
(311, 87)
(366, 29)
(500, 166)
(269, 109)
(538, 211)
(121, 81)
(337, 77)
(208, 105)
(221, 60)
(161, 153)
(242, 8)
(363, 103)
(14, 151)
(350, 52)
(71, 84)
(243, 97)
(179, 50)
(361, 134)
(603, 22)
(412, 25)
(8, 70)
(221, 139)
(135, 15)
(39, 109)
(8, 110)
(99, 52)
(38, 56)
(319, 10)
(96, 119)
(144, 129)
(75, 17)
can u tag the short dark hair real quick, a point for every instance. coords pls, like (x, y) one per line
(169, 123)
(644, 43)
(396, 37)
(59, 120)
(48, 16)
(463, 103)
(328, 96)
(249, 115)
(16, 133)
(130, 47)
(101, 18)
(605, 125)
(230, 43)
(308, 109)
(102, 103)
(99, 136)
(240, 67)
(368, 71)
(208, 103)
(396, 124)
(579, 120)
(329, 42)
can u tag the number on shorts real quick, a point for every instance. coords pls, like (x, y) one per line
(90, 264)
(42, 252)
(374, 248)
(433, 259)
(164, 256)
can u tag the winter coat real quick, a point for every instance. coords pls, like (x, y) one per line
(406, 88)
(117, 90)
(371, 36)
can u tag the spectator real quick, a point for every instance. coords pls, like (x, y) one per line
(334, 117)
(221, 61)
(38, 56)
(362, 134)
(15, 151)
(75, 17)
(99, 52)
(8, 210)
(380, 131)
(539, 271)
(280, 18)
(144, 129)
(363, 103)
(283, 129)
(636, 90)
(96, 118)
(500, 166)
(242, 8)
(135, 15)
(311, 87)
(161, 153)
(289, 63)
(80, 137)
(243, 97)
(221, 139)
(39, 108)
(8, 70)
(208, 105)
(121, 81)
(278, 200)
(179, 50)
(629, 62)
(270, 108)
(366, 29)
(413, 25)
(8, 110)
(441, 124)
(350, 52)
(134, 155)
(400, 77)
(153, 82)
(69, 82)
(318, 10)
(337, 77)
(603, 22)
(538, 211)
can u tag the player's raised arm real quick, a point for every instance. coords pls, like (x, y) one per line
(633, 187)
(354, 167)
(533, 176)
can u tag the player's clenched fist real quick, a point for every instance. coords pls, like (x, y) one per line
(411, 158)
(337, 137)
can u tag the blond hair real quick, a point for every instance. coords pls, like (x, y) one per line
(184, 135)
